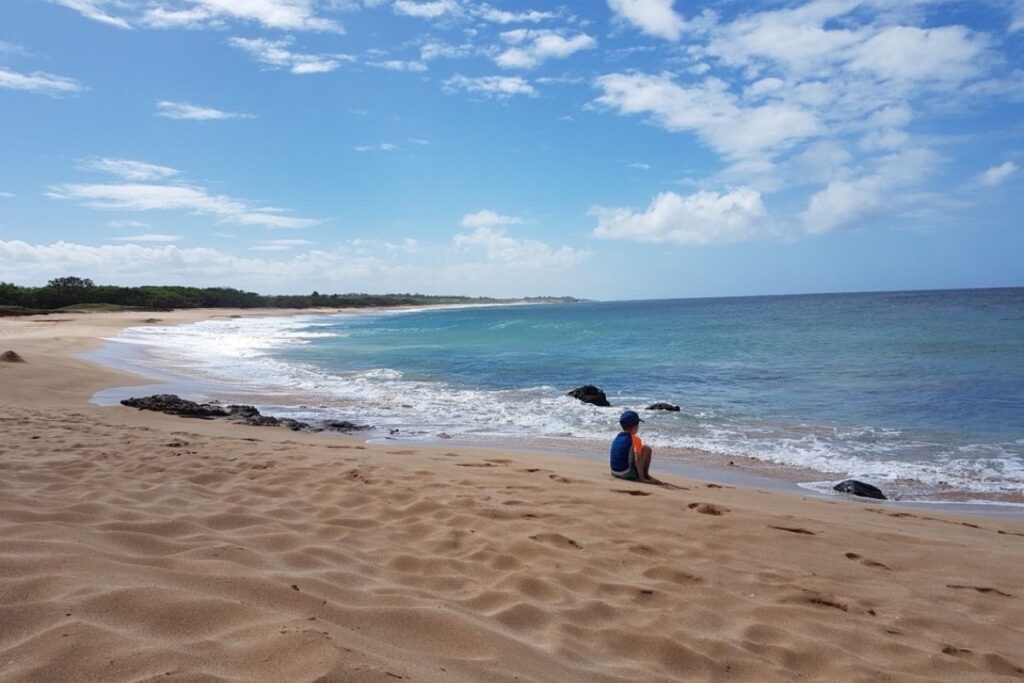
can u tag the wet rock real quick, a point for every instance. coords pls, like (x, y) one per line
(859, 488)
(590, 394)
(175, 405)
(671, 407)
(294, 425)
(346, 426)
(243, 414)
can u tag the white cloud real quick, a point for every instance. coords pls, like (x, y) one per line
(883, 139)
(127, 168)
(275, 53)
(95, 10)
(381, 147)
(39, 82)
(653, 17)
(425, 10)
(127, 224)
(484, 264)
(157, 197)
(792, 38)
(399, 65)
(499, 16)
(487, 219)
(640, 166)
(498, 247)
(280, 245)
(908, 53)
(701, 218)
(491, 86)
(842, 203)
(364, 246)
(148, 237)
(851, 202)
(997, 174)
(434, 50)
(7, 195)
(194, 112)
(534, 47)
(710, 111)
(1017, 17)
(288, 15)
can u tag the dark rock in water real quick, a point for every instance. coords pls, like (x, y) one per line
(664, 406)
(11, 357)
(346, 426)
(244, 412)
(294, 425)
(590, 394)
(859, 488)
(175, 405)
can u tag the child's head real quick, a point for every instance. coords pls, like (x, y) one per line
(630, 421)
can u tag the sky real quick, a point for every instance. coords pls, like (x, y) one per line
(608, 149)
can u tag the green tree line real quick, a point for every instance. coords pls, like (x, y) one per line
(77, 291)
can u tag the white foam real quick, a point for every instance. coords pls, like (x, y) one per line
(239, 352)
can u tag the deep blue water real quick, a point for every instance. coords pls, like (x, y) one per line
(927, 386)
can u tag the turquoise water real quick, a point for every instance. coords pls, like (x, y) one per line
(925, 387)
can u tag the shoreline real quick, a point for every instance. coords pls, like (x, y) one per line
(734, 468)
(137, 545)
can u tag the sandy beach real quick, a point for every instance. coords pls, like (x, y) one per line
(138, 547)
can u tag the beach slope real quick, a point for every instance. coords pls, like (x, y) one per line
(139, 547)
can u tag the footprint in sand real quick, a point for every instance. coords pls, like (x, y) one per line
(560, 479)
(828, 602)
(708, 509)
(990, 661)
(866, 562)
(794, 530)
(557, 540)
(663, 573)
(980, 589)
(630, 492)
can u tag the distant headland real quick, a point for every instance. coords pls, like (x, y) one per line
(82, 294)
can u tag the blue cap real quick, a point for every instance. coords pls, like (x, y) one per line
(630, 418)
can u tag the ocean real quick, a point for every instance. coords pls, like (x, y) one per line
(918, 392)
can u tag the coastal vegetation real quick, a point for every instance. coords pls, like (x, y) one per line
(82, 294)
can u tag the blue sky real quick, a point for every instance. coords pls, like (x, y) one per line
(607, 149)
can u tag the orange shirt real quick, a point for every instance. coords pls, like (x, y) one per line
(638, 445)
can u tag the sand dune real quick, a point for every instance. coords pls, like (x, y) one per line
(141, 547)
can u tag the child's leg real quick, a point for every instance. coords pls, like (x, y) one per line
(644, 465)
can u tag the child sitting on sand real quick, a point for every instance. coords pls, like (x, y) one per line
(630, 458)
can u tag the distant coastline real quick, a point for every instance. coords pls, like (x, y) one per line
(75, 294)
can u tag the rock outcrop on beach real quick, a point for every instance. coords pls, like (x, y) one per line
(590, 394)
(671, 407)
(859, 488)
(172, 404)
(175, 405)
(11, 357)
